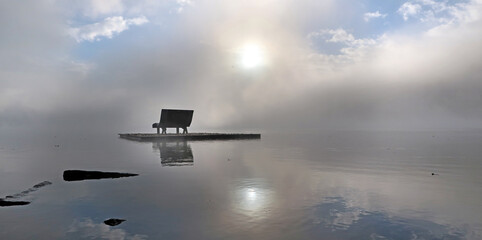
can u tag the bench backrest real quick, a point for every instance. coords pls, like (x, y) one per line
(176, 118)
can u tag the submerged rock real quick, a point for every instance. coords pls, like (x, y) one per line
(28, 191)
(79, 175)
(6, 203)
(42, 184)
(114, 221)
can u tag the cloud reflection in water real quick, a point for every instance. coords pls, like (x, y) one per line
(334, 219)
(86, 228)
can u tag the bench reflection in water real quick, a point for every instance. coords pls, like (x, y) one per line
(174, 153)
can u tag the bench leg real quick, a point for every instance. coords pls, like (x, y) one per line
(177, 130)
(157, 130)
(184, 130)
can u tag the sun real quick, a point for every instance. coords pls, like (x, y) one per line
(252, 55)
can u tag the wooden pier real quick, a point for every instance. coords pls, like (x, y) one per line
(150, 137)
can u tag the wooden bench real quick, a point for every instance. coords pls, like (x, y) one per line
(174, 118)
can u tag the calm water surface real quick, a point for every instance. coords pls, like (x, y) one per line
(332, 185)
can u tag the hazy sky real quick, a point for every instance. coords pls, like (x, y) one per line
(111, 65)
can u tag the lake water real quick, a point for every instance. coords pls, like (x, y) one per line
(330, 185)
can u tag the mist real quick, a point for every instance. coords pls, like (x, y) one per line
(322, 70)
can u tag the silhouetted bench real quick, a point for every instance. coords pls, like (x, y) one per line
(174, 118)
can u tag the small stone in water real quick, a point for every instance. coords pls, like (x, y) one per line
(114, 221)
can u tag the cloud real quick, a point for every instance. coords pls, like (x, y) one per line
(340, 35)
(370, 15)
(100, 9)
(105, 7)
(108, 28)
(182, 5)
(352, 49)
(409, 9)
(337, 35)
(435, 12)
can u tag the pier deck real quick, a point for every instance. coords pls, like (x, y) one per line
(190, 136)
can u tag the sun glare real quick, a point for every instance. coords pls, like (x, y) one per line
(252, 55)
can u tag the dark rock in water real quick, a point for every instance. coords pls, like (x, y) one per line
(4, 203)
(79, 175)
(114, 221)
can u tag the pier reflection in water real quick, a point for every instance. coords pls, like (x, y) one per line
(177, 153)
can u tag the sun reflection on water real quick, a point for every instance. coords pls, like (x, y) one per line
(252, 200)
(251, 195)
